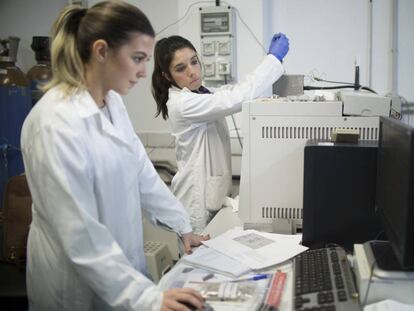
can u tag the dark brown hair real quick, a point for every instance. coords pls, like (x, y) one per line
(163, 55)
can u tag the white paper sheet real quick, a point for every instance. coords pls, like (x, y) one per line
(212, 260)
(256, 249)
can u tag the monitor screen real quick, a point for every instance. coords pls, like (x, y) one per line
(395, 187)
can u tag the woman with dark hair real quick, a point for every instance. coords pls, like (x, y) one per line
(197, 116)
(89, 175)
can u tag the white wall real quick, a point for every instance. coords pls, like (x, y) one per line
(326, 36)
(324, 39)
(249, 52)
(26, 19)
(189, 27)
(405, 39)
(140, 103)
(381, 46)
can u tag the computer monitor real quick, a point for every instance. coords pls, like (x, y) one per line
(395, 187)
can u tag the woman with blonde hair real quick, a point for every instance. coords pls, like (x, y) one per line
(89, 175)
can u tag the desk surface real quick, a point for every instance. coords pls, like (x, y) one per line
(177, 273)
(224, 220)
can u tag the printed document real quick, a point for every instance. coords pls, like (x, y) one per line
(255, 249)
(212, 260)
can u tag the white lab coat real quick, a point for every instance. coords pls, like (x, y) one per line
(202, 139)
(90, 181)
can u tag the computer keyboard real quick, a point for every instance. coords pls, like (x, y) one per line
(323, 281)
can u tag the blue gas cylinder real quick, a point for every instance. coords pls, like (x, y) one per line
(41, 73)
(15, 104)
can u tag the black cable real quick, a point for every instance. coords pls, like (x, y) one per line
(330, 81)
(177, 21)
(379, 234)
(346, 83)
(368, 89)
(308, 87)
(248, 28)
(235, 9)
(350, 86)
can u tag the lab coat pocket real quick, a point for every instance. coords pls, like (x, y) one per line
(217, 188)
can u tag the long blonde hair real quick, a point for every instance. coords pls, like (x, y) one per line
(77, 28)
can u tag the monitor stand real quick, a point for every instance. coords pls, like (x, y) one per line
(383, 261)
(379, 276)
(384, 256)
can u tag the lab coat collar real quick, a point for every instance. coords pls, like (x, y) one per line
(174, 88)
(87, 107)
(84, 103)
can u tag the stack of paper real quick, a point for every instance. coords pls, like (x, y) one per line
(255, 249)
(212, 260)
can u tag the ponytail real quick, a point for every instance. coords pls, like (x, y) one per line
(161, 78)
(76, 30)
(67, 67)
(160, 83)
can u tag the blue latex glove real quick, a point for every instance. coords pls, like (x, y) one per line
(279, 46)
